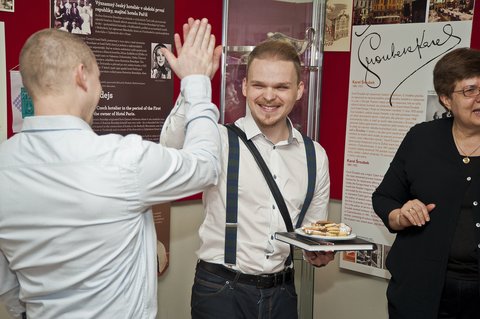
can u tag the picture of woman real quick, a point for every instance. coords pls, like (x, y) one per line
(160, 67)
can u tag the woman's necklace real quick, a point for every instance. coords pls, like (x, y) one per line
(466, 158)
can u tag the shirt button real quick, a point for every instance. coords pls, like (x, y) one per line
(275, 176)
(274, 147)
(469, 178)
(477, 224)
(273, 206)
(478, 245)
(475, 203)
(271, 237)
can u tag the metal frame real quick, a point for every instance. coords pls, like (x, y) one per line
(316, 60)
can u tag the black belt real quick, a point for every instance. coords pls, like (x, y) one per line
(260, 281)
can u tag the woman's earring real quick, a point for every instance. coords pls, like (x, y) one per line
(449, 113)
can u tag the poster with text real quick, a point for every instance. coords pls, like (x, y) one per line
(391, 89)
(137, 82)
(125, 37)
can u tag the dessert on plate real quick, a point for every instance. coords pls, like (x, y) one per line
(327, 228)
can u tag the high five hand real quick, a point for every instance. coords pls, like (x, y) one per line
(198, 54)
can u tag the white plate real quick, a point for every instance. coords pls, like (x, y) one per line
(301, 232)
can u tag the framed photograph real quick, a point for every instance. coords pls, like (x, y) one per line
(74, 16)
(7, 5)
(160, 68)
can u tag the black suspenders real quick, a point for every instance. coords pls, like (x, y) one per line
(234, 133)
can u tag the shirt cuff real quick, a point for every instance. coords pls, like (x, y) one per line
(199, 87)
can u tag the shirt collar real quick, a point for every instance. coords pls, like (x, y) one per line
(251, 129)
(54, 123)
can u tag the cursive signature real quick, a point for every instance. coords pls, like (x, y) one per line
(372, 41)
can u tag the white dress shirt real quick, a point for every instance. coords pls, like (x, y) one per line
(75, 220)
(258, 216)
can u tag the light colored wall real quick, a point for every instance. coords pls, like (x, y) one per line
(339, 293)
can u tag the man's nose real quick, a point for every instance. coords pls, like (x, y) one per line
(269, 94)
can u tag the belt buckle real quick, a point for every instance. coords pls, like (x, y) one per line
(266, 281)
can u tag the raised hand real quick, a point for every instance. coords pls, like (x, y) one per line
(217, 53)
(198, 54)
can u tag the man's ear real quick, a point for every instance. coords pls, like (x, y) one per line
(81, 77)
(301, 88)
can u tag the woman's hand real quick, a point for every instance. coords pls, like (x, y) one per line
(412, 213)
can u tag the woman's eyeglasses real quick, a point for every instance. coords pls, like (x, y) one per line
(469, 91)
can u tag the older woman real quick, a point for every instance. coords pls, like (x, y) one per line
(430, 198)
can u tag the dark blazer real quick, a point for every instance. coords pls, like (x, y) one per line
(427, 166)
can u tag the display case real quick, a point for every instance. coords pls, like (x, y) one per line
(248, 22)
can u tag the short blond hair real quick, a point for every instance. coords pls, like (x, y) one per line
(276, 49)
(47, 59)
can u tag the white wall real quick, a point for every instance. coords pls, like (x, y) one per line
(339, 293)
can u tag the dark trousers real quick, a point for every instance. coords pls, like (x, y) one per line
(460, 300)
(214, 297)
